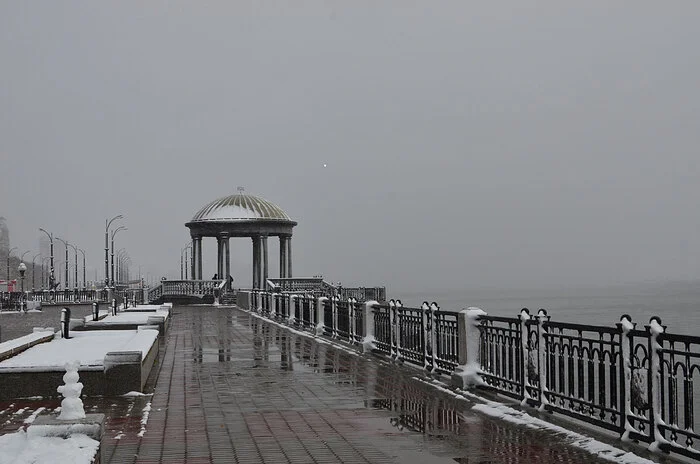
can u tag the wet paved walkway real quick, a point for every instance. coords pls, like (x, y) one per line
(233, 388)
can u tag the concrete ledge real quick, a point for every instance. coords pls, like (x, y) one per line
(13, 347)
(159, 321)
(122, 372)
(92, 425)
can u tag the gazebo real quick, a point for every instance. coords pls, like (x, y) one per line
(242, 215)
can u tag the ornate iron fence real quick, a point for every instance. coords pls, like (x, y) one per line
(641, 383)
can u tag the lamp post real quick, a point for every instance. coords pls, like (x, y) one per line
(22, 269)
(66, 285)
(183, 261)
(8, 263)
(121, 260)
(51, 276)
(44, 279)
(114, 232)
(83, 253)
(34, 270)
(107, 224)
(75, 274)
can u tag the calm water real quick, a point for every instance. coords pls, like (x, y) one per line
(677, 303)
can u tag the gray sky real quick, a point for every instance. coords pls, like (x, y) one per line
(468, 144)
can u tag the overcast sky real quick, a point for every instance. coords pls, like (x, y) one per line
(468, 144)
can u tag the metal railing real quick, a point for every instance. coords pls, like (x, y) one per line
(317, 286)
(642, 383)
(197, 288)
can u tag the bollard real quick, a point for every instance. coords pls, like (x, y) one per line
(114, 306)
(65, 322)
(95, 310)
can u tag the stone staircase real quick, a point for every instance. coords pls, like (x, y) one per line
(228, 299)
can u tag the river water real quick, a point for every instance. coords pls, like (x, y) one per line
(676, 303)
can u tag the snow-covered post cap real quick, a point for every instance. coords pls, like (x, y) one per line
(72, 405)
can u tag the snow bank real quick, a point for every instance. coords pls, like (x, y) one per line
(88, 347)
(21, 448)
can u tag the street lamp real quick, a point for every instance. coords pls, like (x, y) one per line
(51, 276)
(107, 224)
(183, 261)
(44, 280)
(34, 269)
(66, 285)
(122, 256)
(8, 263)
(83, 253)
(22, 269)
(114, 232)
(75, 249)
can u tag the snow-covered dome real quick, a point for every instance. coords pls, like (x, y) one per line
(240, 207)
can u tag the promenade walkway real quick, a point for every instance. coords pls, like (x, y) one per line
(233, 388)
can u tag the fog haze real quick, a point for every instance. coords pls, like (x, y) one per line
(467, 144)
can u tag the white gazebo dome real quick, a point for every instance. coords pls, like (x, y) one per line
(240, 207)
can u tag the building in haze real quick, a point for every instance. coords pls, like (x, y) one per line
(4, 237)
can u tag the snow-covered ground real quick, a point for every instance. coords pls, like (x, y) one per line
(23, 447)
(132, 317)
(88, 347)
(15, 343)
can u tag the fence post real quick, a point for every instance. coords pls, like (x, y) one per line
(65, 322)
(542, 319)
(334, 312)
(320, 306)
(292, 310)
(352, 319)
(426, 323)
(273, 306)
(468, 373)
(525, 383)
(626, 327)
(368, 320)
(656, 331)
(395, 306)
(114, 306)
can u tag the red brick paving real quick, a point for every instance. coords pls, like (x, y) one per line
(232, 388)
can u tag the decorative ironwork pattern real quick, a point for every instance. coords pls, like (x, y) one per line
(582, 372)
(447, 341)
(382, 328)
(500, 354)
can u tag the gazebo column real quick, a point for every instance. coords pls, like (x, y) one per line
(219, 254)
(263, 239)
(227, 260)
(283, 256)
(289, 256)
(199, 258)
(256, 262)
(193, 264)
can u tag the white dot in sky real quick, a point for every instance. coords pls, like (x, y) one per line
(325, 165)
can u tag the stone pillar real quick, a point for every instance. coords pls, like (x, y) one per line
(199, 258)
(264, 263)
(283, 256)
(227, 247)
(219, 254)
(193, 253)
(256, 252)
(289, 256)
